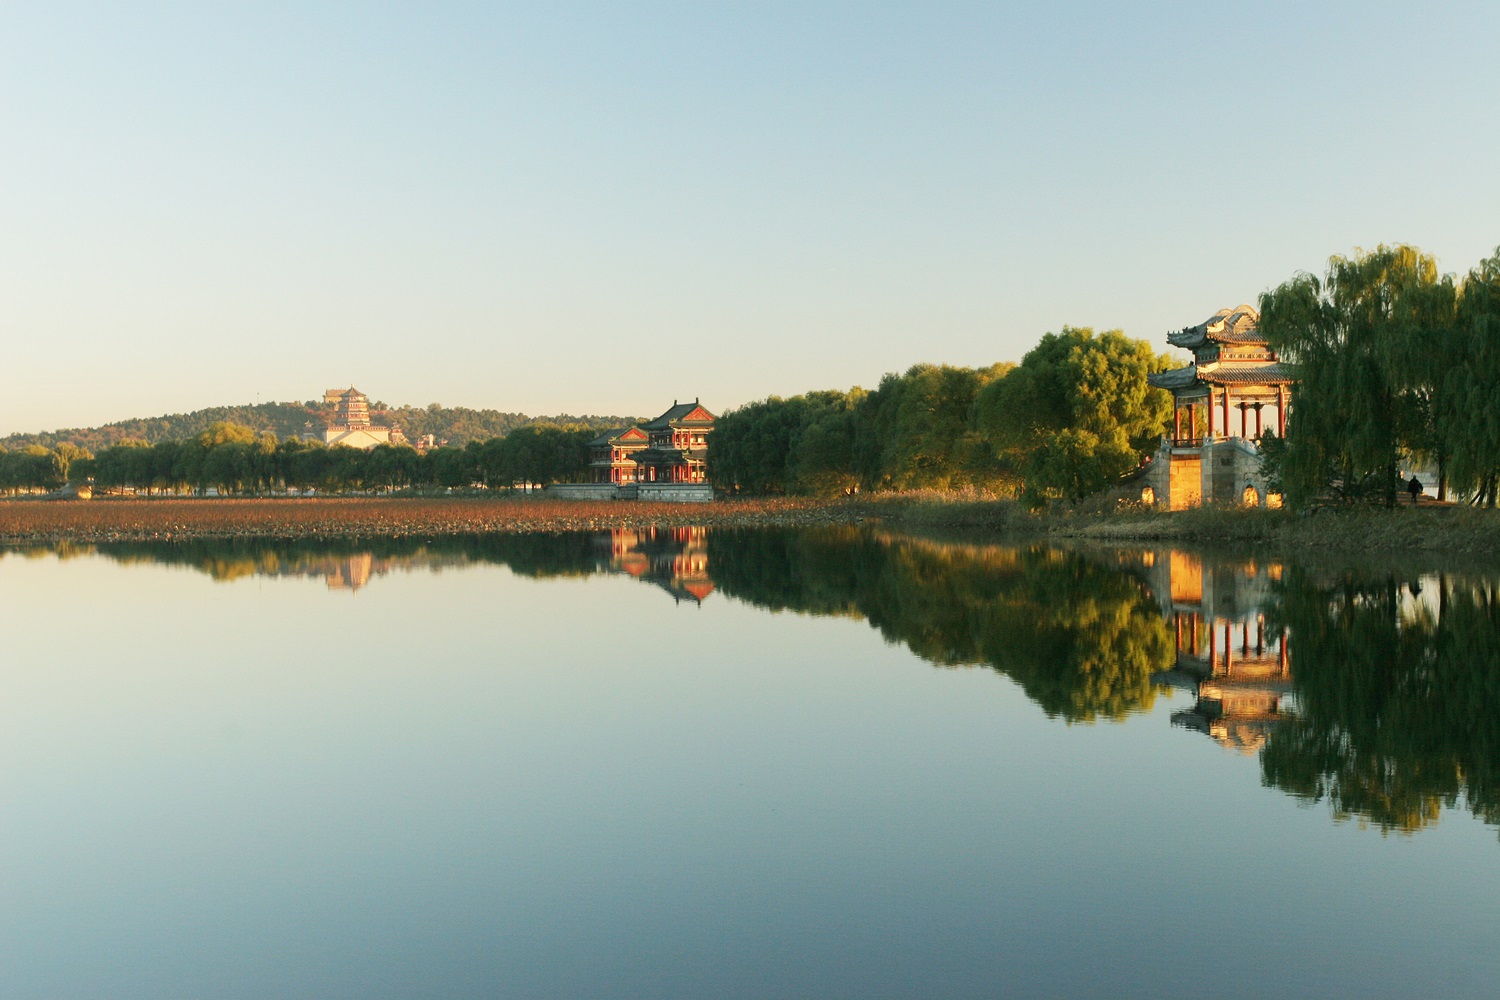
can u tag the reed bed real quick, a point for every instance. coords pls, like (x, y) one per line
(1430, 528)
(140, 518)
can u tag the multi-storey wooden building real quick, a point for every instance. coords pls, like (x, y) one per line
(678, 450)
(612, 455)
(1218, 412)
(351, 426)
(673, 448)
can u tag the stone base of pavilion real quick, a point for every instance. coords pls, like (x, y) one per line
(1215, 470)
(665, 492)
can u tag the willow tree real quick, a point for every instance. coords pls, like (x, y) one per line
(1473, 396)
(1371, 341)
(1077, 413)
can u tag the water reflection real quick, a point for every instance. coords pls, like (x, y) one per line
(1375, 692)
(1082, 638)
(674, 559)
(1236, 669)
(1398, 696)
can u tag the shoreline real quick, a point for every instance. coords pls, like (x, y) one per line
(1424, 529)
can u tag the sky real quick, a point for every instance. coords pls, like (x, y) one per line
(602, 208)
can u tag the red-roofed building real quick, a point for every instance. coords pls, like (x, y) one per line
(673, 448)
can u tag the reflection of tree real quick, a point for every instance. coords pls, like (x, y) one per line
(1081, 639)
(674, 558)
(1399, 700)
(527, 554)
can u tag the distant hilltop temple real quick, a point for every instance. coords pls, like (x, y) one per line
(351, 425)
(1219, 405)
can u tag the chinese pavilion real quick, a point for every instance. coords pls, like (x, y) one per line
(1218, 412)
(678, 448)
(661, 459)
(612, 455)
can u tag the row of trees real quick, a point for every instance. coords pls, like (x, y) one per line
(1072, 417)
(234, 459)
(1394, 361)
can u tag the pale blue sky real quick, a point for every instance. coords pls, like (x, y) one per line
(603, 207)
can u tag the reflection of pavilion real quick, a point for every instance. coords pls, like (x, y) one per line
(1225, 656)
(675, 559)
(349, 572)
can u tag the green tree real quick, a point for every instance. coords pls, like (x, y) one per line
(1472, 429)
(1076, 414)
(1361, 339)
(63, 458)
(913, 431)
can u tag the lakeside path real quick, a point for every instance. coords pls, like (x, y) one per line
(161, 518)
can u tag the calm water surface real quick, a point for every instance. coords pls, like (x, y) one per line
(833, 763)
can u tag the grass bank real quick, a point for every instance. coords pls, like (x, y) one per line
(1424, 528)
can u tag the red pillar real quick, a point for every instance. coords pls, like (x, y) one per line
(1244, 422)
(1280, 411)
(1176, 421)
(1226, 411)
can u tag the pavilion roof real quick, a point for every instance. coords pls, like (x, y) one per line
(1240, 325)
(609, 436)
(678, 413)
(1177, 378)
(1276, 373)
(664, 456)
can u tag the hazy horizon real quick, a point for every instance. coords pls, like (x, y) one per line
(585, 209)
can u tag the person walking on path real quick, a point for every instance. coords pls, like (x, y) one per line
(1414, 488)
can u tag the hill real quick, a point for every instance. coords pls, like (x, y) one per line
(457, 425)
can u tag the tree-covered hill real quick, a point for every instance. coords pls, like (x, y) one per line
(457, 425)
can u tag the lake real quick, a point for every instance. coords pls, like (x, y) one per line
(688, 763)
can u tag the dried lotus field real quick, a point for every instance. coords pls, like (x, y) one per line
(142, 518)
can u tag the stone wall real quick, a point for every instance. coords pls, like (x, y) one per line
(1234, 465)
(1186, 482)
(673, 492)
(1219, 472)
(677, 492)
(582, 491)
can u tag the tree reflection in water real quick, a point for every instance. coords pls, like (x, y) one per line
(1379, 694)
(1398, 694)
(1082, 638)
